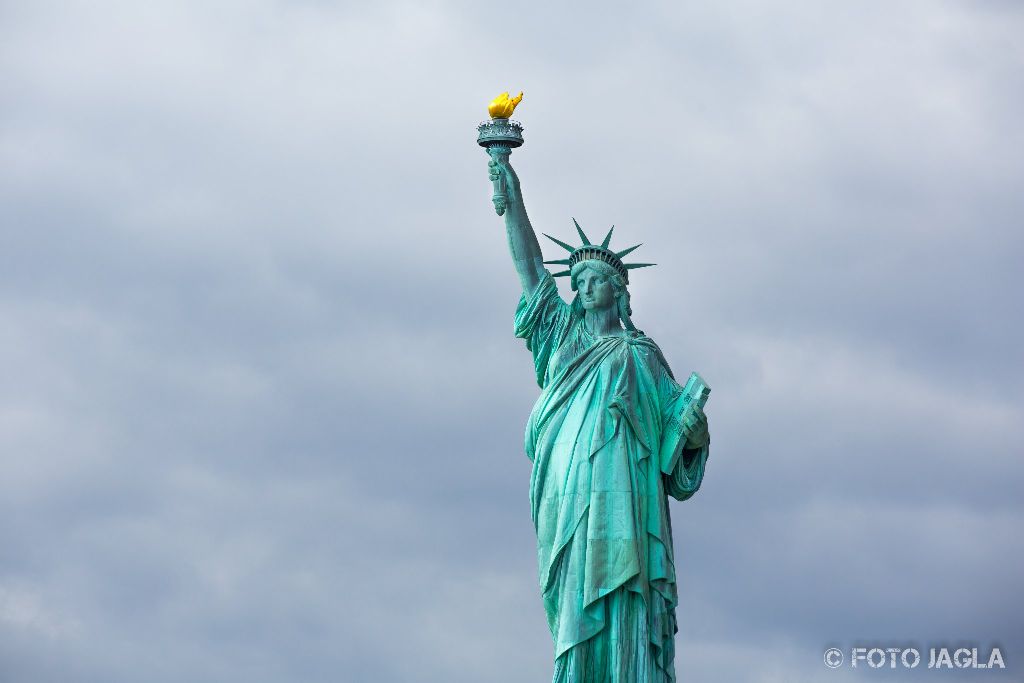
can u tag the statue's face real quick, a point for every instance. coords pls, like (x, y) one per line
(596, 290)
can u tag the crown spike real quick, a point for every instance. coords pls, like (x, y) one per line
(564, 273)
(631, 266)
(607, 238)
(560, 243)
(560, 261)
(583, 235)
(620, 254)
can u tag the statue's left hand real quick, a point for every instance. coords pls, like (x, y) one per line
(696, 425)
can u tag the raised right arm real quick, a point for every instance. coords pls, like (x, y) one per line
(522, 241)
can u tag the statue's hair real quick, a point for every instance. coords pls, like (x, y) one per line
(617, 282)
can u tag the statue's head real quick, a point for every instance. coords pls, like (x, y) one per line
(598, 273)
(600, 286)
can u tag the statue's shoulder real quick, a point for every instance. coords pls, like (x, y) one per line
(648, 349)
(640, 340)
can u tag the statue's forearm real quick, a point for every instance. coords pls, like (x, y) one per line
(524, 248)
(508, 202)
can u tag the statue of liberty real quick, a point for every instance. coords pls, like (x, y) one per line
(611, 436)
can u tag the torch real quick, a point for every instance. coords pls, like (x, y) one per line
(499, 137)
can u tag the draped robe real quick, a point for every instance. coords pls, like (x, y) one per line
(609, 415)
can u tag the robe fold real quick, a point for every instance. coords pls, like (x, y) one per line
(609, 414)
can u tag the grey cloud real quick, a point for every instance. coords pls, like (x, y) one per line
(262, 414)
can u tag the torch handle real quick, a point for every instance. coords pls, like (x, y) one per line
(500, 154)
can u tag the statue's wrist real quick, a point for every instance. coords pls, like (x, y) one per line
(515, 213)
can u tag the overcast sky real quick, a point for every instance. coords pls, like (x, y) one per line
(261, 409)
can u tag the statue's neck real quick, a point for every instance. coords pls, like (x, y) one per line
(603, 323)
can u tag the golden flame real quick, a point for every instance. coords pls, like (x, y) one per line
(502, 106)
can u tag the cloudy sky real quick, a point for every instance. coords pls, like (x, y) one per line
(261, 409)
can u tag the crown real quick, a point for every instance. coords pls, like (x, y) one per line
(588, 251)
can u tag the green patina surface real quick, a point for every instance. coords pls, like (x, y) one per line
(612, 436)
